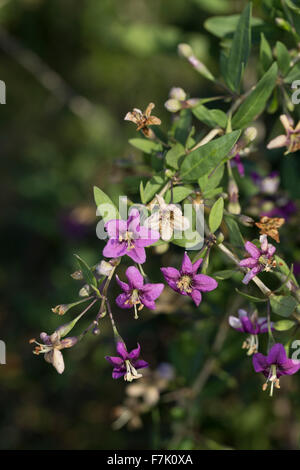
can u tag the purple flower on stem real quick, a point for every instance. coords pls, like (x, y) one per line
(127, 364)
(186, 281)
(127, 237)
(259, 259)
(274, 365)
(136, 293)
(251, 325)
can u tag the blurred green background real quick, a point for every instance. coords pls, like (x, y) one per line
(72, 70)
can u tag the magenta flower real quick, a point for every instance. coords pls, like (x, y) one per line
(274, 365)
(127, 237)
(136, 292)
(186, 281)
(259, 259)
(251, 325)
(128, 364)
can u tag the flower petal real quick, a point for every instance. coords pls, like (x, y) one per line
(140, 364)
(204, 283)
(290, 367)
(248, 262)
(115, 227)
(58, 361)
(187, 266)
(117, 373)
(196, 265)
(196, 296)
(134, 277)
(137, 254)
(252, 250)
(263, 243)
(152, 291)
(115, 360)
(170, 273)
(277, 355)
(134, 354)
(235, 323)
(260, 363)
(123, 285)
(251, 274)
(146, 237)
(123, 301)
(121, 350)
(114, 248)
(279, 141)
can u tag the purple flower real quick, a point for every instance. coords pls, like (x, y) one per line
(259, 260)
(186, 281)
(251, 325)
(127, 237)
(283, 207)
(136, 292)
(274, 365)
(128, 364)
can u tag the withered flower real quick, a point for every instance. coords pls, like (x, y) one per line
(143, 120)
(291, 139)
(269, 226)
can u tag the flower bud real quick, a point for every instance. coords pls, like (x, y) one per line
(104, 268)
(251, 133)
(219, 238)
(245, 220)
(173, 105)
(185, 50)
(178, 93)
(85, 291)
(233, 192)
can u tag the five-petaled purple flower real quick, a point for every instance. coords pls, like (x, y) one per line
(128, 364)
(259, 259)
(252, 325)
(186, 281)
(127, 237)
(136, 293)
(274, 365)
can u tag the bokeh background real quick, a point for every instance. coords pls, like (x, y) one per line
(72, 70)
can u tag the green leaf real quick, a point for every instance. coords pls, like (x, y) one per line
(211, 180)
(216, 215)
(175, 155)
(283, 305)
(239, 51)
(283, 57)
(265, 53)
(211, 193)
(284, 325)
(179, 194)
(225, 274)
(251, 297)
(210, 117)
(153, 186)
(283, 267)
(224, 26)
(207, 157)
(86, 272)
(146, 145)
(105, 206)
(255, 103)
(235, 235)
(293, 74)
(292, 6)
(182, 126)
